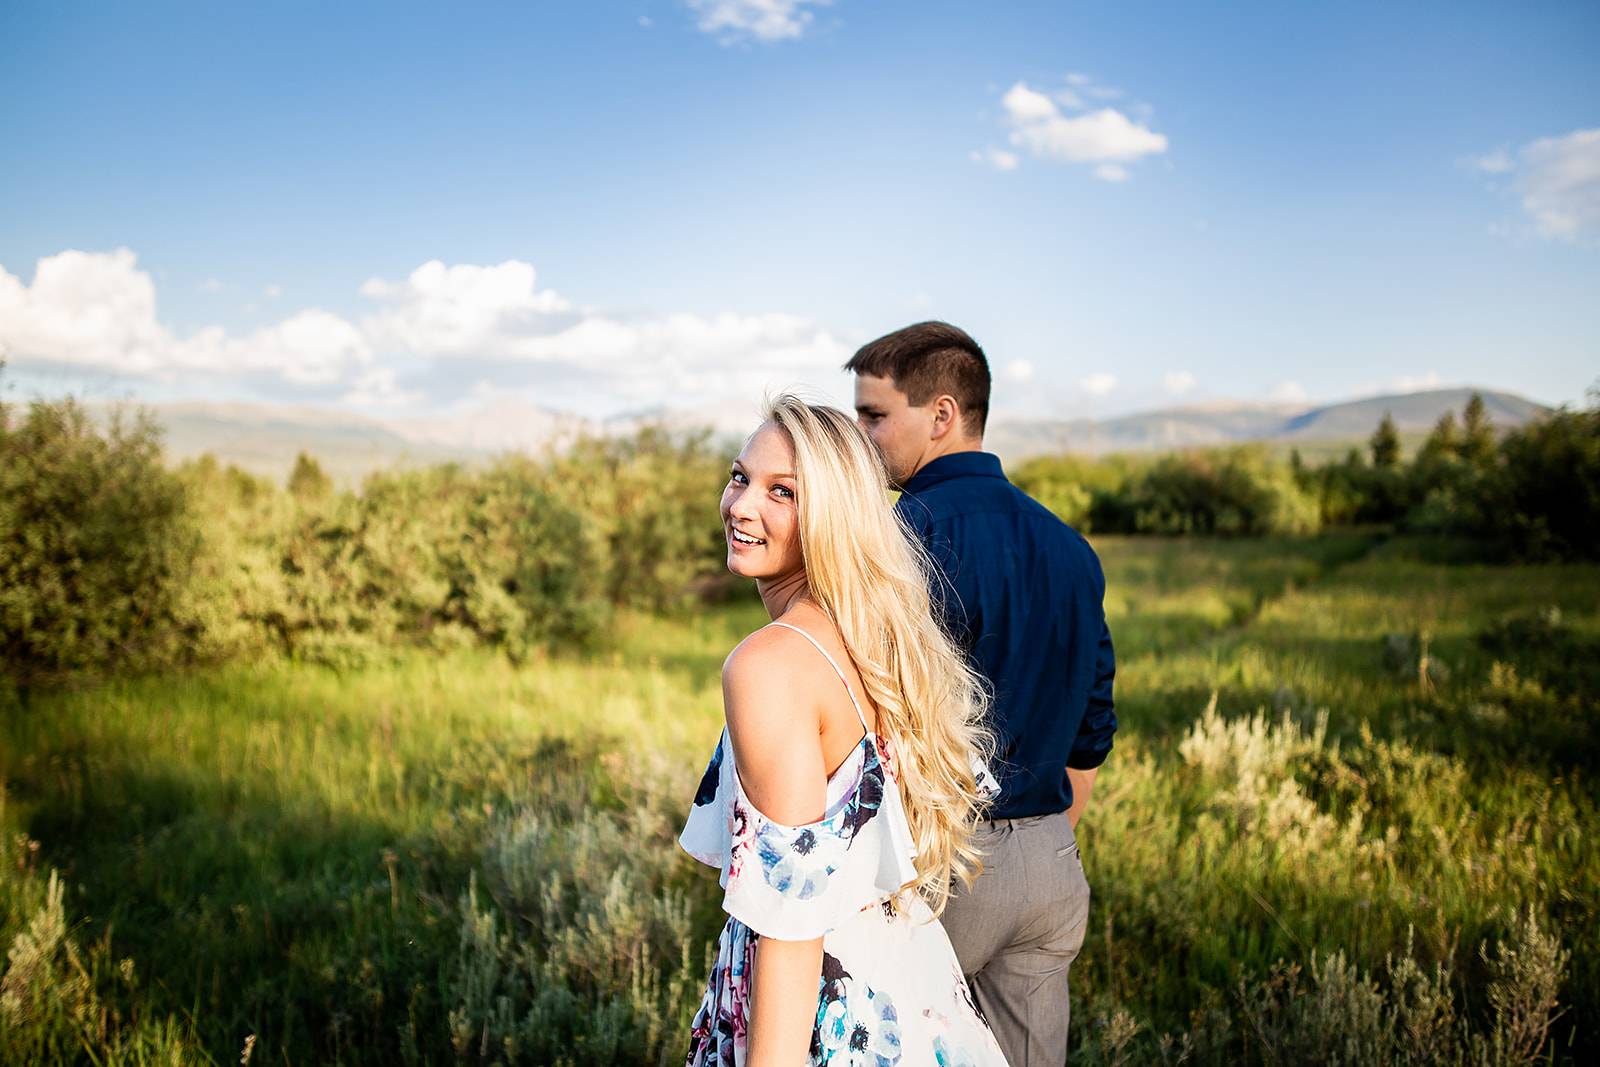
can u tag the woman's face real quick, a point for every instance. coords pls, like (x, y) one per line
(760, 512)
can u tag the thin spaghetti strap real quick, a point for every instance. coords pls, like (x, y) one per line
(831, 662)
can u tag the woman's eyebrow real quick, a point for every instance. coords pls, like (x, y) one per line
(769, 477)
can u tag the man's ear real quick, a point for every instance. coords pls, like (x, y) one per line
(946, 417)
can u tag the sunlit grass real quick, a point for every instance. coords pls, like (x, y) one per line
(457, 857)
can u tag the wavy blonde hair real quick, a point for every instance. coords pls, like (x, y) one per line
(872, 577)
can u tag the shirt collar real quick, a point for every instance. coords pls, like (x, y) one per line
(956, 465)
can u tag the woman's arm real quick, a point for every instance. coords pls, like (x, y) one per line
(775, 724)
(783, 1001)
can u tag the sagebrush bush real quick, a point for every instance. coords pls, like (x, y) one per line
(53, 1004)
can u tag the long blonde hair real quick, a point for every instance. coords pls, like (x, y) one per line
(871, 576)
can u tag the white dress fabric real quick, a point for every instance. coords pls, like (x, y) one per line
(891, 991)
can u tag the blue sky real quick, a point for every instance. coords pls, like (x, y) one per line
(596, 207)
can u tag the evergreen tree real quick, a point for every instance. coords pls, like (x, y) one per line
(1386, 444)
(1443, 443)
(1478, 444)
(308, 481)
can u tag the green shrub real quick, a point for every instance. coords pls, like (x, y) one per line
(1542, 501)
(1236, 491)
(649, 502)
(95, 544)
(438, 557)
(54, 1005)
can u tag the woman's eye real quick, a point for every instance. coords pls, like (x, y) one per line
(783, 490)
(737, 478)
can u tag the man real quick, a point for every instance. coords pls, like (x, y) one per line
(1022, 592)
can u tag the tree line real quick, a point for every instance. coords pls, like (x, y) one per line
(110, 558)
(1530, 493)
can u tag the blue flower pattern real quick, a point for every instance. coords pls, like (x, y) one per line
(797, 861)
(894, 1010)
(710, 780)
(857, 1026)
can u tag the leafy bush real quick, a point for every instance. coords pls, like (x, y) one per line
(108, 559)
(649, 503)
(1237, 491)
(1542, 500)
(95, 544)
(437, 557)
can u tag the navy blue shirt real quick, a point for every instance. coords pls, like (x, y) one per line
(1022, 592)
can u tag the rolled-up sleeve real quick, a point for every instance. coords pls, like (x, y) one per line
(1100, 717)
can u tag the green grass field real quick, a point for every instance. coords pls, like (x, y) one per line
(1339, 768)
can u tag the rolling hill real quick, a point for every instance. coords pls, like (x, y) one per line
(265, 439)
(1328, 425)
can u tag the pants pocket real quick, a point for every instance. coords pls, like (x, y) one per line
(1066, 838)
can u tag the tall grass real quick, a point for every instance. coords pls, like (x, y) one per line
(1306, 846)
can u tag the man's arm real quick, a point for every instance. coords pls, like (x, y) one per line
(1082, 786)
(1093, 744)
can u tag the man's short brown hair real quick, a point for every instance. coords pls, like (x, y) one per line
(927, 360)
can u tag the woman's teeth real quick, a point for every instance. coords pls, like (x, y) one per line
(746, 540)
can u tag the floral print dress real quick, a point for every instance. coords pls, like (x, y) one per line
(891, 991)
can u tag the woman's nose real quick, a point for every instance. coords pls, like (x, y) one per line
(740, 507)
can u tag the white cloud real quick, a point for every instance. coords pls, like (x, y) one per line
(310, 348)
(463, 309)
(1020, 370)
(1105, 137)
(272, 292)
(645, 22)
(998, 158)
(98, 310)
(1023, 104)
(1069, 99)
(380, 387)
(211, 285)
(1288, 393)
(1179, 382)
(762, 20)
(498, 314)
(1411, 383)
(1085, 83)
(83, 308)
(1497, 162)
(1099, 384)
(1560, 184)
(1558, 179)
(422, 342)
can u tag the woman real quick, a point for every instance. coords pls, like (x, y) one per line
(840, 800)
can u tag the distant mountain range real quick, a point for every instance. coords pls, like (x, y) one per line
(1225, 424)
(265, 439)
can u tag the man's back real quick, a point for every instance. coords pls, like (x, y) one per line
(1023, 594)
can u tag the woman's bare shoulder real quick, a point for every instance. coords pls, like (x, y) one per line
(771, 660)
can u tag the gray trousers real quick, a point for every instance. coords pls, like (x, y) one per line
(1018, 929)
